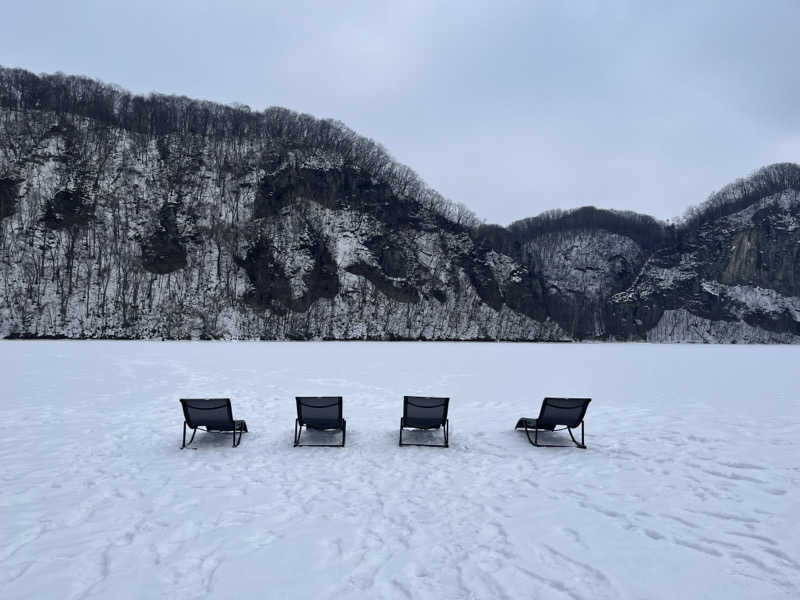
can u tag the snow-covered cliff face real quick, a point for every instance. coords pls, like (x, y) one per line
(179, 219)
(735, 279)
(581, 270)
(110, 233)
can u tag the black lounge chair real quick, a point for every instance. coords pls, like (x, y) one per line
(322, 413)
(213, 415)
(568, 412)
(421, 412)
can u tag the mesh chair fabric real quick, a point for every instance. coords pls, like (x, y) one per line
(424, 412)
(211, 413)
(320, 412)
(562, 411)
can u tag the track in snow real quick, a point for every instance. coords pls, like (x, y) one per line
(688, 488)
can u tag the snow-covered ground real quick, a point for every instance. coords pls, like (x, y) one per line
(688, 489)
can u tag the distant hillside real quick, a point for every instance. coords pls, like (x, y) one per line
(125, 216)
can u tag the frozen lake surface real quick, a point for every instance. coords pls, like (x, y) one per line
(688, 488)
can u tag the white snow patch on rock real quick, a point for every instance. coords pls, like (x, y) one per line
(683, 326)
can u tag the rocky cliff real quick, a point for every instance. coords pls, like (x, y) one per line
(162, 217)
(735, 278)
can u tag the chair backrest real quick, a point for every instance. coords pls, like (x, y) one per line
(425, 408)
(319, 409)
(207, 412)
(562, 411)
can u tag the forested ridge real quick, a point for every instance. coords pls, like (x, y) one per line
(161, 216)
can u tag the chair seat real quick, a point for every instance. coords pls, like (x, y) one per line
(421, 423)
(531, 424)
(322, 425)
(239, 425)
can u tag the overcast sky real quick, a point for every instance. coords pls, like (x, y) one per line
(512, 108)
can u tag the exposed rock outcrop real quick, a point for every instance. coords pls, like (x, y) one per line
(161, 217)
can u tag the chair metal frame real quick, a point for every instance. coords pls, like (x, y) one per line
(237, 426)
(299, 422)
(545, 403)
(444, 424)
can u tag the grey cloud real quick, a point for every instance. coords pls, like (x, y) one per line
(509, 107)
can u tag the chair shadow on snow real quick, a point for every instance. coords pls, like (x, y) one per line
(420, 437)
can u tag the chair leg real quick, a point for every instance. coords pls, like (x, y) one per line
(191, 439)
(241, 431)
(535, 440)
(445, 432)
(581, 445)
(298, 431)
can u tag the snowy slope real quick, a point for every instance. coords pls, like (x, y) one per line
(688, 487)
